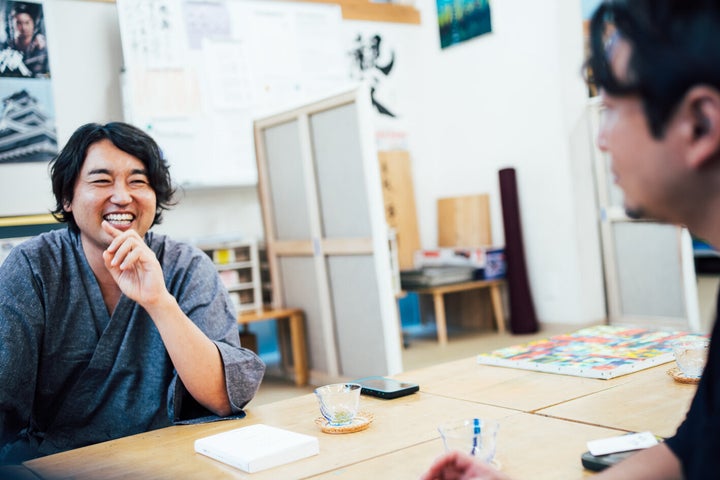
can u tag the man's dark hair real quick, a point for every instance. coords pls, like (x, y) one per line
(31, 9)
(65, 168)
(673, 48)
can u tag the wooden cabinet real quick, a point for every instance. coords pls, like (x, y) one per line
(238, 264)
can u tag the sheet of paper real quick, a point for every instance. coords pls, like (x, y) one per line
(217, 65)
(622, 443)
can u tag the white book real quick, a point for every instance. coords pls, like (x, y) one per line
(257, 447)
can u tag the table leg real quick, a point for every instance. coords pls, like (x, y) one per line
(440, 322)
(284, 344)
(297, 337)
(497, 307)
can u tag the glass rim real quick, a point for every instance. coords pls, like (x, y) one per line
(454, 425)
(338, 387)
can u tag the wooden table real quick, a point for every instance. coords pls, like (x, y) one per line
(530, 447)
(524, 390)
(404, 430)
(541, 438)
(294, 317)
(649, 400)
(439, 291)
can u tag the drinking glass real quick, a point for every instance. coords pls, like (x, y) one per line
(339, 402)
(474, 436)
(691, 355)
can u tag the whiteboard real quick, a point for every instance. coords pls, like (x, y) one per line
(196, 74)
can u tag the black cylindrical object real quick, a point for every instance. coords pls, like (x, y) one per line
(522, 308)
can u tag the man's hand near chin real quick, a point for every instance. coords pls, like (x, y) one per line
(134, 266)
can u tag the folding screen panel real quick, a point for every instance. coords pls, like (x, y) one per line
(326, 235)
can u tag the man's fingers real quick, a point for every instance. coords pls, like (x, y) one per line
(114, 232)
(126, 253)
(110, 229)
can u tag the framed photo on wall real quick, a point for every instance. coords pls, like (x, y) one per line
(461, 20)
(28, 112)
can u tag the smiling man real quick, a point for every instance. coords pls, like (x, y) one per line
(108, 329)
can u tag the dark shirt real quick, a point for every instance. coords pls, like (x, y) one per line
(697, 441)
(71, 374)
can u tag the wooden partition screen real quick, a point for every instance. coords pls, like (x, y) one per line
(326, 236)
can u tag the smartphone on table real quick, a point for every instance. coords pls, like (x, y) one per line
(387, 388)
(598, 463)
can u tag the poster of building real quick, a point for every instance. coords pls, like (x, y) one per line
(27, 117)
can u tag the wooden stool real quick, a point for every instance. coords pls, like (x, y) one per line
(438, 291)
(294, 317)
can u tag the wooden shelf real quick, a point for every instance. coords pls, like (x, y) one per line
(240, 258)
(375, 12)
(366, 10)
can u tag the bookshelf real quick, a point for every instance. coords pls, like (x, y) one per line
(238, 264)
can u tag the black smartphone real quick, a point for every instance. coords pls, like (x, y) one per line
(597, 463)
(387, 388)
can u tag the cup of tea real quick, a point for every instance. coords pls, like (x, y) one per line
(473, 436)
(339, 402)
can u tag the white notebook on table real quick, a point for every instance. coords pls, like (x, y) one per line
(257, 447)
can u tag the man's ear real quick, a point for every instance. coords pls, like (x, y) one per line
(701, 109)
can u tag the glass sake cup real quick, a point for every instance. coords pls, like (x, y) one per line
(339, 402)
(474, 436)
(691, 356)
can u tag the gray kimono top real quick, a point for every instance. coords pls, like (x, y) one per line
(71, 375)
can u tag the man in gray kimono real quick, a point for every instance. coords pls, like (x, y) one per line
(107, 329)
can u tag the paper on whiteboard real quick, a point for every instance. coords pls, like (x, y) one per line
(217, 65)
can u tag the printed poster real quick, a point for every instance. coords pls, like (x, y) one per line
(461, 20)
(27, 124)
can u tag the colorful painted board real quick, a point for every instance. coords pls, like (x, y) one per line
(605, 351)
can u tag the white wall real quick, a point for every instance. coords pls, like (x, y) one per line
(512, 98)
(86, 62)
